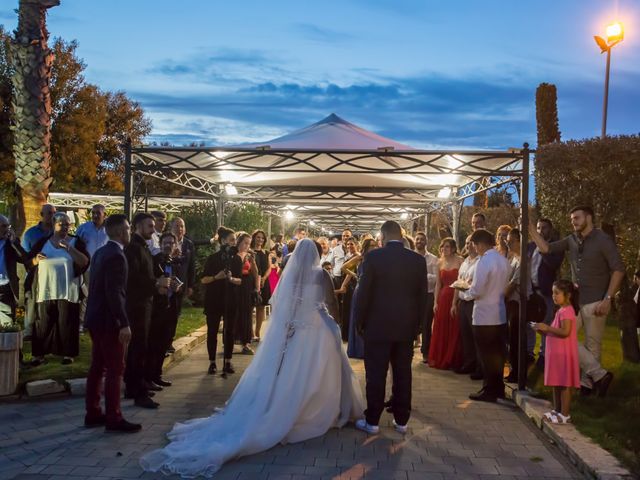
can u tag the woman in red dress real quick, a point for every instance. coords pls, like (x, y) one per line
(445, 351)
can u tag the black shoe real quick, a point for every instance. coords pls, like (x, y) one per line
(476, 376)
(95, 421)
(602, 385)
(585, 391)
(145, 402)
(483, 396)
(67, 361)
(388, 406)
(163, 383)
(153, 387)
(228, 368)
(124, 427)
(213, 368)
(171, 349)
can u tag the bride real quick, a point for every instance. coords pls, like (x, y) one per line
(299, 385)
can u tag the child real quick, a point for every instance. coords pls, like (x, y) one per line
(561, 368)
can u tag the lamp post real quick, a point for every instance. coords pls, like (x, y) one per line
(615, 34)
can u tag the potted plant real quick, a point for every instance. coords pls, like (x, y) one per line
(10, 345)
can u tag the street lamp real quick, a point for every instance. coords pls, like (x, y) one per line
(615, 34)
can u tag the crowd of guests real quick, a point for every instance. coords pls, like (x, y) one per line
(144, 271)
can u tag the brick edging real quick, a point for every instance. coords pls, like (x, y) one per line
(589, 457)
(77, 386)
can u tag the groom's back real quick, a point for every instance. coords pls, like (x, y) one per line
(392, 293)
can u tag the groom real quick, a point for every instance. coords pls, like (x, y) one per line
(390, 305)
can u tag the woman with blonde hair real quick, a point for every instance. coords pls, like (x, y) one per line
(501, 240)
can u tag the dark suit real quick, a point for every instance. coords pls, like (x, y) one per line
(106, 315)
(141, 286)
(390, 306)
(13, 254)
(186, 272)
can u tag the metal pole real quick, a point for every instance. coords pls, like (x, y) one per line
(269, 231)
(606, 95)
(220, 210)
(524, 271)
(128, 183)
(457, 212)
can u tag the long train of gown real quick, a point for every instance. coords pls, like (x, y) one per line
(314, 391)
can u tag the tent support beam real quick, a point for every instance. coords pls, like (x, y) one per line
(524, 270)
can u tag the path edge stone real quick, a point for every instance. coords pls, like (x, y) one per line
(589, 457)
(76, 386)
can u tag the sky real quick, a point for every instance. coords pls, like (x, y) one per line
(457, 74)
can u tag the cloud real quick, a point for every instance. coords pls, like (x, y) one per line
(321, 34)
(253, 96)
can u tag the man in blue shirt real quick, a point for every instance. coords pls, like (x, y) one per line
(44, 228)
(93, 233)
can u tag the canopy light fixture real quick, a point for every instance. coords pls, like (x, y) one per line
(288, 215)
(404, 216)
(445, 192)
(230, 189)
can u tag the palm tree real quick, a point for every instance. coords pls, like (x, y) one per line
(31, 105)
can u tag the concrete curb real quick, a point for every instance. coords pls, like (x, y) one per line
(77, 386)
(590, 458)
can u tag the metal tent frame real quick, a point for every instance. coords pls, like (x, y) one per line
(338, 187)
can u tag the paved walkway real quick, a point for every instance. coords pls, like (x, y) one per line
(450, 437)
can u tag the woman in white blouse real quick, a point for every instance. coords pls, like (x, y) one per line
(57, 264)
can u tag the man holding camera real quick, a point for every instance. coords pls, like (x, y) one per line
(164, 316)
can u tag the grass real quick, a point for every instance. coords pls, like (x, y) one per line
(191, 319)
(613, 422)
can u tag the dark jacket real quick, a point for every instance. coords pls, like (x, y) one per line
(548, 271)
(391, 299)
(32, 270)
(141, 280)
(187, 261)
(106, 305)
(13, 254)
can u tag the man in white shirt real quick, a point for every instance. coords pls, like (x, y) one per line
(160, 222)
(327, 254)
(339, 254)
(463, 307)
(489, 314)
(432, 275)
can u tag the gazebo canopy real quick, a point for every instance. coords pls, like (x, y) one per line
(332, 172)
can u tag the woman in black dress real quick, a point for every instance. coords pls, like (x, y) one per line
(247, 293)
(265, 262)
(222, 273)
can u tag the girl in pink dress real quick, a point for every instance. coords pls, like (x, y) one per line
(561, 367)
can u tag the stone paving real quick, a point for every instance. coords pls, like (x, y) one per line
(450, 437)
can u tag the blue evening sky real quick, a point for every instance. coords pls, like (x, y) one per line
(433, 74)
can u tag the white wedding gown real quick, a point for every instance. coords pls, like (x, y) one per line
(298, 386)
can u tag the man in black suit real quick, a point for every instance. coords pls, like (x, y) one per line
(186, 268)
(390, 307)
(11, 253)
(108, 324)
(142, 284)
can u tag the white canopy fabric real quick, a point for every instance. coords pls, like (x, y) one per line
(331, 162)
